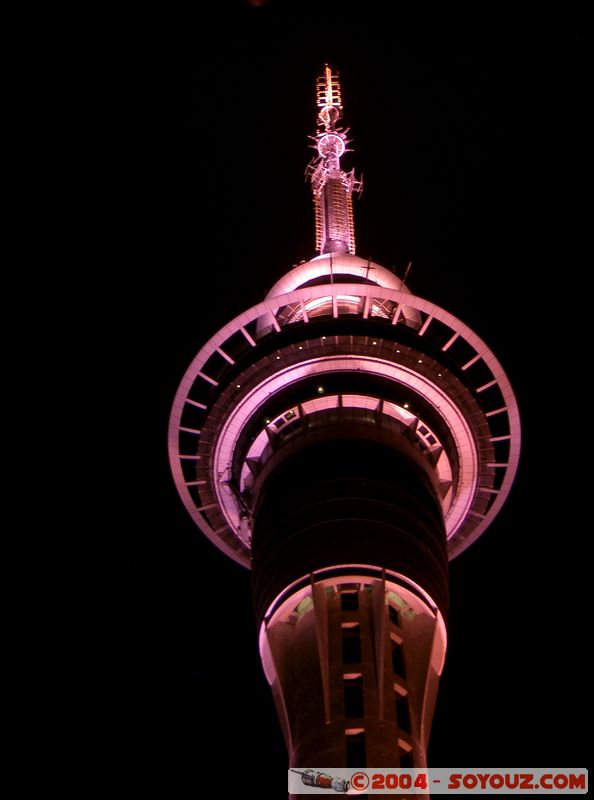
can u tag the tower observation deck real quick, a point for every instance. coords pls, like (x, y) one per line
(343, 439)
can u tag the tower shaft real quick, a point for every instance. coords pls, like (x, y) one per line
(353, 657)
(349, 553)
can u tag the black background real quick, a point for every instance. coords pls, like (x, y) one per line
(470, 144)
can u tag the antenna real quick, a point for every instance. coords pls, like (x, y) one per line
(407, 270)
(332, 187)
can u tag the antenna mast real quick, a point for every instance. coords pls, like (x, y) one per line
(332, 187)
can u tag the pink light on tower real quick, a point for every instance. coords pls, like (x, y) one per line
(343, 439)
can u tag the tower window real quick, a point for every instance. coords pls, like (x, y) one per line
(355, 748)
(349, 601)
(393, 614)
(406, 754)
(402, 711)
(397, 658)
(353, 696)
(351, 643)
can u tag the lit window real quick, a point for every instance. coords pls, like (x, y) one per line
(304, 606)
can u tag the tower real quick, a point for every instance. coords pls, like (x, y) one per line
(344, 438)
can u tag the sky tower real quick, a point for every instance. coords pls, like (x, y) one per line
(343, 439)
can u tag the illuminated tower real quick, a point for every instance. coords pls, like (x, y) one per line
(343, 439)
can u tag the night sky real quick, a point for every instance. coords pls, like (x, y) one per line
(471, 151)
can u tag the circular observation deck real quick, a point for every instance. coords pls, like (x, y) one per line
(340, 340)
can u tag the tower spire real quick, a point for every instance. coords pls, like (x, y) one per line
(332, 187)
